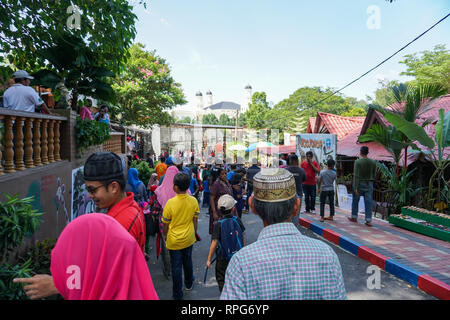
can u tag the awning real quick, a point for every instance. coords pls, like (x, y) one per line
(278, 149)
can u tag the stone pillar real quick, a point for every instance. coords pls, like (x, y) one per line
(29, 143)
(37, 142)
(9, 152)
(44, 145)
(18, 138)
(51, 146)
(57, 141)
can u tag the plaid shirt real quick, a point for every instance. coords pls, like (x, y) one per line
(284, 265)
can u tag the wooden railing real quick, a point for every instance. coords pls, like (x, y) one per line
(29, 140)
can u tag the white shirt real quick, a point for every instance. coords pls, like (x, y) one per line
(21, 98)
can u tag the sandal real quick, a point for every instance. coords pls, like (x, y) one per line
(322, 219)
(329, 218)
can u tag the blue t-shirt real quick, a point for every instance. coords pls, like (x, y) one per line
(230, 175)
(193, 185)
(206, 186)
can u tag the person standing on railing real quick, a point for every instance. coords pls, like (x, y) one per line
(21, 97)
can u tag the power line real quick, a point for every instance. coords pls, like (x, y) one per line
(385, 60)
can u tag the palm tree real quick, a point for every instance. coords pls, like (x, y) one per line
(390, 138)
(411, 103)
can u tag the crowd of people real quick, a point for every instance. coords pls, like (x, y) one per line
(104, 256)
(96, 253)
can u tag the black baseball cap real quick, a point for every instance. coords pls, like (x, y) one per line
(101, 166)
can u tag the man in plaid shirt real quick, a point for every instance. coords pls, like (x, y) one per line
(282, 264)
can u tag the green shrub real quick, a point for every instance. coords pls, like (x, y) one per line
(8, 289)
(40, 256)
(90, 133)
(145, 172)
(17, 219)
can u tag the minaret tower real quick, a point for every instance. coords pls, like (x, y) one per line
(247, 98)
(209, 99)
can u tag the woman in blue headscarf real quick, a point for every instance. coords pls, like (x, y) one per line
(136, 186)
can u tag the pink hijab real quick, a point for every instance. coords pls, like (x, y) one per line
(165, 191)
(95, 258)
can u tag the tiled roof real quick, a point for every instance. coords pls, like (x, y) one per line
(224, 105)
(311, 125)
(334, 124)
(349, 146)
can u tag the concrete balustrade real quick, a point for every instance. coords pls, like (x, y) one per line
(29, 140)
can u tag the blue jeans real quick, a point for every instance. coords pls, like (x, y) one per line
(310, 197)
(365, 189)
(181, 260)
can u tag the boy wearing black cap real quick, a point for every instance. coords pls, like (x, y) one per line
(105, 182)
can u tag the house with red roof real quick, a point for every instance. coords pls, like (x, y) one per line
(348, 129)
(349, 146)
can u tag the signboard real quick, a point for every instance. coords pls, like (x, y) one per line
(323, 147)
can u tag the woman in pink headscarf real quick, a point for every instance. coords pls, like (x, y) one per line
(165, 191)
(95, 258)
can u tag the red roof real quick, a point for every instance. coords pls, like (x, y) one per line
(311, 125)
(335, 124)
(349, 146)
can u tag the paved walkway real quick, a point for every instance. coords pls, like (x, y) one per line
(421, 260)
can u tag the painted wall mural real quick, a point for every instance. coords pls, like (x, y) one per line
(81, 202)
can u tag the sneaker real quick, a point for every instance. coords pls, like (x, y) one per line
(329, 218)
(190, 289)
(313, 211)
(306, 212)
(322, 219)
(352, 219)
(368, 224)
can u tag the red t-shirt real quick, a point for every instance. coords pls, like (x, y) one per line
(128, 213)
(310, 173)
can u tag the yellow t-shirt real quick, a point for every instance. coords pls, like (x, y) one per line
(179, 213)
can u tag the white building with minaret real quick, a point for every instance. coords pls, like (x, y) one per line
(247, 99)
(209, 99)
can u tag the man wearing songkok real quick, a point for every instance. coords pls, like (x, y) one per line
(282, 264)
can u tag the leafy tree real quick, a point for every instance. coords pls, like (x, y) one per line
(107, 27)
(241, 120)
(210, 119)
(145, 90)
(429, 67)
(70, 64)
(414, 101)
(257, 112)
(355, 112)
(293, 113)
(384, 96)
(225, 120)
(185, 120)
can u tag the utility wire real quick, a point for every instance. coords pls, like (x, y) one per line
(385, 60)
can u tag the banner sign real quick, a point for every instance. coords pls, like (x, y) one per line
(323, 146)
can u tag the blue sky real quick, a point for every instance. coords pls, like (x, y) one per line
(278, 46)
